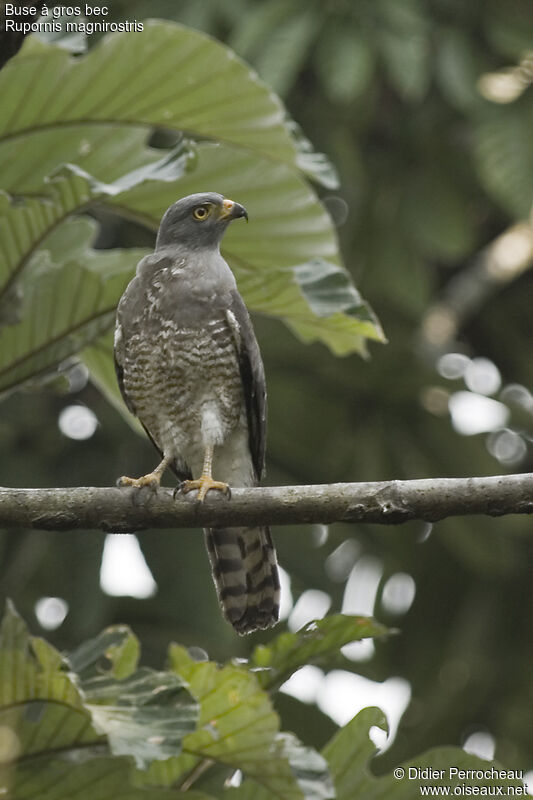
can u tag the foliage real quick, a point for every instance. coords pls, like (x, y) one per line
(97, 724)
(89, 146)
(317, 641)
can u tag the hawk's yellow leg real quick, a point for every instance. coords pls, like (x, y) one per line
(153, 479)
(205, 482)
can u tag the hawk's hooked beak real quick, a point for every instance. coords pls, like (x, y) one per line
(231, 210)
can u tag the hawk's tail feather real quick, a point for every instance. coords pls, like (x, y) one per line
(245, 571)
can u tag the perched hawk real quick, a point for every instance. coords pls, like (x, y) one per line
(189, 368)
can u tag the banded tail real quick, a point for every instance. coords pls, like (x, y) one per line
(245, 571)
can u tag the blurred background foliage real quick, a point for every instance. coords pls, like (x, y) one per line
(426, 110)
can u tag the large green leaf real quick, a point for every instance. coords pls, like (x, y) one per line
(188, 82)
(404, 42)
(307, 766)
(41, 708)
(70, 732)
(143, 713)
(504, 151)
(435, 213)
(25, 225)
(63, 306)
(107, 151)
(318, 642)
(60, 730)
(284, 52)
(62, 295)
(97, 779)
(117, 645)
(344, 62)
(350, 750)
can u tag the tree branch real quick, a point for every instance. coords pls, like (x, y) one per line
(388, 503)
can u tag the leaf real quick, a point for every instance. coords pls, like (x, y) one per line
(318, 642)
(146, 715)
(96, 779)
(284, 52)
(58, 729)
(435, 212)
(106, 151)
(308, 766)
(504, 154)
(458, 69)
(404, 43)
(189, 82)
(348, 754)
(279, 265)
(117, 645)
(25, 225)
(509, 28)
(30, 671)
(250, 31)
(41, 708)
(238, 728)
(344, 63)
(143, 713)
(63, 307)
(59, 297)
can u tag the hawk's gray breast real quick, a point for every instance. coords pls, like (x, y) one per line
(190, 369)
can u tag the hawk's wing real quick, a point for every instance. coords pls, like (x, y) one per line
(118, 345)
(253, 380)
(129, 299)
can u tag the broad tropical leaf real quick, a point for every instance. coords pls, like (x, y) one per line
(307, 766)
(145, 715)
(116, 644)
(65, 306)
(287, 264)
(25, 225)
(317, 642)
(41, 708)
(504, 151)
(60, 731)
(188, 82)
(349, 752)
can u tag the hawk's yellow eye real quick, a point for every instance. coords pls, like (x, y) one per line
(202, 212)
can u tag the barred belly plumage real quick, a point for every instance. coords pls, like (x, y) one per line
(182, 380)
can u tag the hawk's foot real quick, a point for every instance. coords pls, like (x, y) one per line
(153, 480)
(204, 484)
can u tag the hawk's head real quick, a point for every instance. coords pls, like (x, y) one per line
(198, 220)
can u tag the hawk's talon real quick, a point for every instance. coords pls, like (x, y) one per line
(152, 480)
(204, 485)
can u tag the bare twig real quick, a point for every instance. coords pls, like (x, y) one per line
(388, 503)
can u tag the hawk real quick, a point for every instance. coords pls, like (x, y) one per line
(189, 367)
